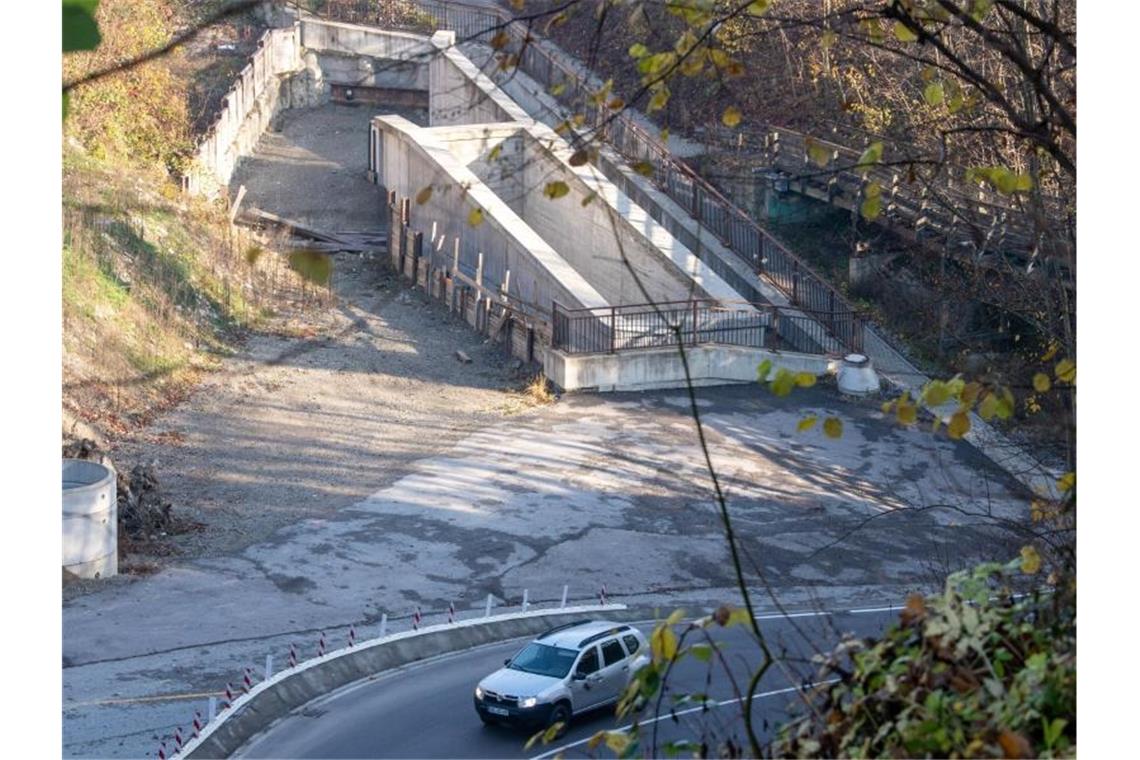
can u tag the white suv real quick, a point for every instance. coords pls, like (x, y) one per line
(566, 671)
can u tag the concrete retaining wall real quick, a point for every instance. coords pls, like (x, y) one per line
(412, 158)
(283, 693)
(650, 369)
(462, 94)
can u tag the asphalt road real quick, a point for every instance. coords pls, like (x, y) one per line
(425, 709)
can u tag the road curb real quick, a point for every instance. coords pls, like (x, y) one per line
(277, 697)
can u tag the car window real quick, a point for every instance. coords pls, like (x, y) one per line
(631, 644)
(612, 652)
(589, 661)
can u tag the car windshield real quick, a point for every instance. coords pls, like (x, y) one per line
(544, 660)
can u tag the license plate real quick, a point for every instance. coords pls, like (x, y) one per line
(498, 711)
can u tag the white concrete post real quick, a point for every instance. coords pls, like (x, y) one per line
(455, 257)
(506, 289)
(565, 590)
(526, 603)
(479, 274)
(487, 613)
(213, 710)
(268, 666)
(383, 624)
(433, 234)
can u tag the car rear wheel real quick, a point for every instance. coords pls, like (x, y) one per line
(560, 714)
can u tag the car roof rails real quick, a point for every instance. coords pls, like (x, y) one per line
(563, 627)
(597, 636)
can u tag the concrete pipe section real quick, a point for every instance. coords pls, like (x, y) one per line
(90, 520)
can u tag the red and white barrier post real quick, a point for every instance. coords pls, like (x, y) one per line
(292, 655)
(451, 612)
(602, 595)
(197, 723)
(162, 751)
(247, 681)
(321, 645)
(351, 636)
(229, 700)
(177, 740)
(417, 618)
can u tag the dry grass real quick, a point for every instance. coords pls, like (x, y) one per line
(539, 391)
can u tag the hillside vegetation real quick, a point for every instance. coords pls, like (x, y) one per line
(156, 285)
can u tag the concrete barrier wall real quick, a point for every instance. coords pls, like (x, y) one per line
(278, 696)
(247, 110)
(650, 369)
(412, 158)
(462, 94)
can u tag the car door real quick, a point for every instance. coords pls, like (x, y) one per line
(614, 674)
(585, 679)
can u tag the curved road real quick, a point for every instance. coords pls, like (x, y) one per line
(425, 709)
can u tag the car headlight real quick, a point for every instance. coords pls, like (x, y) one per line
(478, 692)
(528, 702)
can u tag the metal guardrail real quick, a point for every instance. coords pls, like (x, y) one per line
(631, 327)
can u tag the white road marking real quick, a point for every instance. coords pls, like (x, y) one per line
(707, 705)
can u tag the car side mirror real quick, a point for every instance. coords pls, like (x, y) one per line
(506, 662)
(578, 676)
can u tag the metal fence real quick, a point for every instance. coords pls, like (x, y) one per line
(640, 326)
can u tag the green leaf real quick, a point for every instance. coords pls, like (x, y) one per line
(80, 30)
(934, 94)
(644, 168)
(555, 190)
(558, 89)
(819, 154)
(805, 379)
(66, 99)
(663, 643)
(903, 33)
(314, 266)
(475, 218)
(988, 408)
(872, 204)
(871, 156)
(702, 652)
(637, 50)
(495, 152)
(1067, 482)
(764, 370)
(1030, 560)
(783, 383)
(759, 7)
(833, 427)
(1041, 383)
(1066, 371)
(807, 423)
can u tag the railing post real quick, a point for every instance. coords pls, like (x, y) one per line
(613, 329)
(795, 282)
(694, 323)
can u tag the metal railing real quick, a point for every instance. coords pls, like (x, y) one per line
(631, 327)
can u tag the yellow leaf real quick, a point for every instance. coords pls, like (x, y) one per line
(638, 50)
(616, 104)
(617, 741)
(644, 168)
(1067, 482)
(555, 190)
(805, 379)
(495, 152)
(518, 4)
(1041, 382)
(731, 116)
(783, 383)
(558, 89)
(807, 423)
(969, 394)
(887, 407)
(903, 33)
(833, 427)
(589, 198)
(1030, 560)
(500, 40)
(675, 617)
(827, 39)
(1066, 371)
(988, 407)
(936, 393)
(659, 100)
(819, 154)
(475, 218)
(1051, 352)
(663, 642)
(759, 7)
(423, 196)
(959, 424)
(595, 740)
(739, 615)
(933, 94)
(906, 413)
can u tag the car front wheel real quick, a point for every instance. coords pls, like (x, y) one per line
(560, 714)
